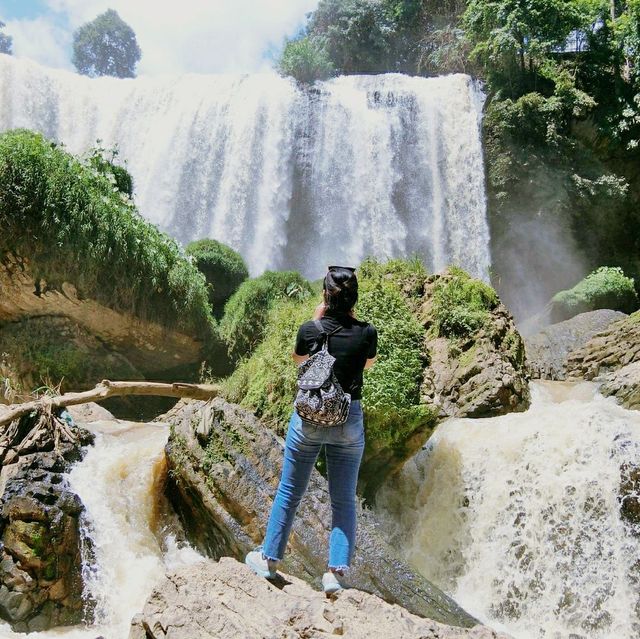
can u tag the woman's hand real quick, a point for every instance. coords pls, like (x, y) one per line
(320, 311)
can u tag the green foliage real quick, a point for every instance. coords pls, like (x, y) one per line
(606, 287)
(391, 394)
(461, 305)
(245, 315)
(266, 381)
(73, 224)
(103, 162)
(106, 46)
(306, 60)
(357, 34)
(223, 268)
(6, 41)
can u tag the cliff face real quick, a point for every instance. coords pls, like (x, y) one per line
(57, 333)
(224, 467)
(240, 604)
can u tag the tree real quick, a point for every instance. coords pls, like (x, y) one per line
(106, 46)
(305, 60)
(6, 41)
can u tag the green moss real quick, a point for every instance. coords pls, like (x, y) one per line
(223, 268)
(461, 305)
(245, 315)
(266, 381)
(606, 287)
(73, 224)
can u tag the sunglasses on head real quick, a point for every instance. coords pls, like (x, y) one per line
(346, 268)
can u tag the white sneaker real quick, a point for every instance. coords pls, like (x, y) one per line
(262, 566)
(331, 582)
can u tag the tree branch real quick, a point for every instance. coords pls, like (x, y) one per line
(106, 389)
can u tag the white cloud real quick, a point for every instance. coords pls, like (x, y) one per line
(41, 40)
(202, 36)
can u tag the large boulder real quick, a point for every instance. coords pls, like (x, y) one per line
(240, 604)
(548, 349)
(609, 350)
(223, 470)
(478, 372)
(40, 561)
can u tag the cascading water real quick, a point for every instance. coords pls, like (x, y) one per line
(128, 546)
(388, 165)
(518, 517)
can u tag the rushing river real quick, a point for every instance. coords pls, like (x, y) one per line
(120, 482)
(389, 165)
(518, 517)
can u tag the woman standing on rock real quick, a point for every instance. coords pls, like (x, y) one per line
(353, 344)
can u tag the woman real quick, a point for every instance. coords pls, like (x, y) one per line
(354, 347)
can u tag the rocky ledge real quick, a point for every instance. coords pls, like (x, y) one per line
(40, 560)
(549, 348)
(223, 471)
(237, 603)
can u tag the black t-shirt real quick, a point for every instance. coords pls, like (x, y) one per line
(351, 346)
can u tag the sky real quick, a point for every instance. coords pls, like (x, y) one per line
(198, 36)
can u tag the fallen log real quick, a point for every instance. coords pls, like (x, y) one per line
(106, 389)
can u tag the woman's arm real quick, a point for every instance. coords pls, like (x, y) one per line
(370, 362)
(298, 359)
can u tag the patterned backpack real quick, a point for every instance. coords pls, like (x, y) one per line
(320, 398)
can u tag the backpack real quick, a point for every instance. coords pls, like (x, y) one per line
(320, 398)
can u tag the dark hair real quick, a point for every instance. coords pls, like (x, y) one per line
(341, 288)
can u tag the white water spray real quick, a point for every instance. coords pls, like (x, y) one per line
(518, 517)
(388, 165)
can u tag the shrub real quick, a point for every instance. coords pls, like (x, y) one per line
(305, 60)
(266, 381)
(246, 313)
(461, 304)
(118, 175)
(391, 396)
(73, 224)
(223, 268)
(606, 287)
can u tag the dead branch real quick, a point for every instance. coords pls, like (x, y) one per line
(106, 389)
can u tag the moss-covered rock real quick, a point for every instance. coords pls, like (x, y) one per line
(246, 313)
(73, 224)
(427, 366)
(223, 268)
(607, 287)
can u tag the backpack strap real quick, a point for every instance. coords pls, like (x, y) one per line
(323, 333)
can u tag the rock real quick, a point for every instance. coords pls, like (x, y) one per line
(624, 384)
(76, 331)
(609, 350)
(481, 376)
(548, 349)
(240, 604)
(40, 562)
(223, 470)
(90, 412)
(629, 498)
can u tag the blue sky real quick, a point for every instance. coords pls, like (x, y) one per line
(201, 36)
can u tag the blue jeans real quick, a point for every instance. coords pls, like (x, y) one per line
(344, 446)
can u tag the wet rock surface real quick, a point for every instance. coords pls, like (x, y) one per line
(624, 384)
(481, 376)
(240, 604)
(549, 348)
(223, 471)
(40, 562)
(609, 350)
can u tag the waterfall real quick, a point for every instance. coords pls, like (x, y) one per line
(128, 529)
(518, 517)
(386, 165)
